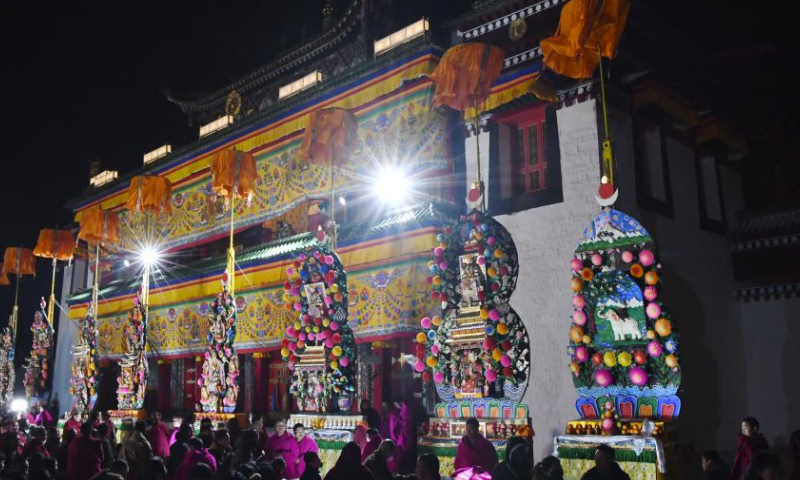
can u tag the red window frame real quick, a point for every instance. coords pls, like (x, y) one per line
(522, 168)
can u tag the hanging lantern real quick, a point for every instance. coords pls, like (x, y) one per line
(234, 174)
(19, 261)
(465, 75)
(55, 244)
(150, 193)
(586, 30)
(330, 137)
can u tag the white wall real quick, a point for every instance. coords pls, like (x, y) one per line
(698, 289)
(545, 238)
(771, 382)
(66, 336)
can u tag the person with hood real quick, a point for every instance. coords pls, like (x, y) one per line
(474, 450)
(606, 468)
(136, 450)
(348, 466)
(750, 441)
(197, 453)
(517, 464)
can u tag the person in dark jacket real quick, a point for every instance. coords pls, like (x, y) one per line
(348, 465)
(517, 464)
(378, 462)
(85, 457)
(548, 469)
(372, 415)
(605, 467)
(427, 467)
(312, 466)
(765, 466)
(714, 468)
(108, 446)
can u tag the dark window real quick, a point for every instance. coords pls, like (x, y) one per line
(652, 170)
(712, 207)
(524, 163)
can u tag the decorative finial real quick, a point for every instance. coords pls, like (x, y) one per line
(327, 15)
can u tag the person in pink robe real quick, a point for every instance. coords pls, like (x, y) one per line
(158, 435)
(73, 422)
(374, 440)
(304, 444)
(404, 435)
(44, 419)
(197, 453)
(281, 444)
(474, 450)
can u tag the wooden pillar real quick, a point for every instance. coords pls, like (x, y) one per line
(164, 385)
(189, 384)
(261, 381)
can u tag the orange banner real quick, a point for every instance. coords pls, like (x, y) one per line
(330, 136)
(19, 261)
(150, 193)
(99, 227)
(587, 29)
(57, 244)
(234, 173)
(466, 74)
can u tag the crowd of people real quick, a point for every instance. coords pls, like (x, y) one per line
(32, 448)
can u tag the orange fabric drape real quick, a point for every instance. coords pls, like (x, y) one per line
(234, 173)
(99, 226)
(57, 244)
(3, 277)
(465, 75)
(585, 25)
(19, 261)
(150, 193)
(329, 137)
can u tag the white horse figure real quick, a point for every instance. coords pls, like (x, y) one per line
(622, 327)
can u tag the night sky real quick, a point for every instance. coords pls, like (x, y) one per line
(83, 81)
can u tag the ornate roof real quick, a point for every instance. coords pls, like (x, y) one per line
(285, 66)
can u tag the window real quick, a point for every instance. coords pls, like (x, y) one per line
(652, 172)
(524, 160)
(712, 209)
(530, 162)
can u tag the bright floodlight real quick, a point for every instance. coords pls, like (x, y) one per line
(149, 256)
(19, 405)
(392, 185)
(343, 200)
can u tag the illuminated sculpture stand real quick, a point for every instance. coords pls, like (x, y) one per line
(320, 350)
(624, 352)
(477, 352)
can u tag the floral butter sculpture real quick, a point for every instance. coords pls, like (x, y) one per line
(622, 341)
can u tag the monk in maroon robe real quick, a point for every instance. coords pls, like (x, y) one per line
(305, 444)
(374, 440)
(474, 450)
(85, 458)
(750, 442)
(281, 444)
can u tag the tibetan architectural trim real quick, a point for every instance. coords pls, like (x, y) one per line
(766, 293)
(523, 57)
(505, 20)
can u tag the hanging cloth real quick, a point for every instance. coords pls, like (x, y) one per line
(330, 137)
(150, 193)
(99, 227)
(57, 244)
(465, 75)
(234, 174)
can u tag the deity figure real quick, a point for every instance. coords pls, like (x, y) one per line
(37, 364)
(219, 389)
(84, 367)
(132, 381)
(6, 365)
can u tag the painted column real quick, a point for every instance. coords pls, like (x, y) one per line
(164, 384)
(261, 381)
